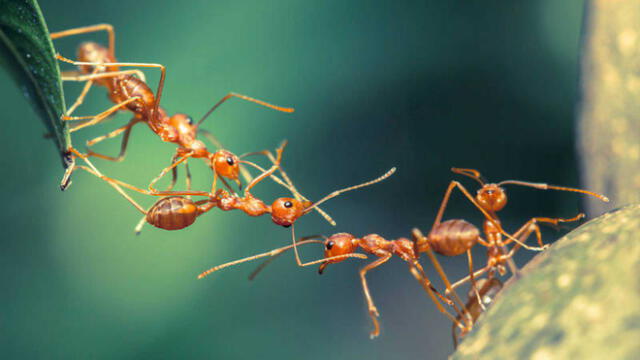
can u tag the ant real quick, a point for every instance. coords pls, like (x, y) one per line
(341, 246)
(489, 199)
(177, 212)
(99, 64)
(450, 238)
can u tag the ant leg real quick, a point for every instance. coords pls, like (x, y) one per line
(102, 75)
(373, 311)
(94, 171)
(138, 229)
(166, 170)
(474, 285)
(160, 66)
(534, 221)
(187, 176)
(88, 29)
(426, 285)
(247, 98)
(174, 173)
(98, 118)
(123, 145)
(419, 237)
(269, 172)
(522, 234)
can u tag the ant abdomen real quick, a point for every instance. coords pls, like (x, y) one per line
(453, 237)
(173, 213)
(129, 86)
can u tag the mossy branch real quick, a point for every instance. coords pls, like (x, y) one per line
(578, 300)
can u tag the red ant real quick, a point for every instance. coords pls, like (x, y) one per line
(449, 238)
(490, 199)
(177, 212)
(132, 93)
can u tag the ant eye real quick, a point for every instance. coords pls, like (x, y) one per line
(288, 204)
(330, 244)
(190, 120)
(230, 160)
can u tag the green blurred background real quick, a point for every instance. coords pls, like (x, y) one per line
(422, 85)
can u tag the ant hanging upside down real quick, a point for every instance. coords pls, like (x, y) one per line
(98, 64)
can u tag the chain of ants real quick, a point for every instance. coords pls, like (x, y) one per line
(176, 210)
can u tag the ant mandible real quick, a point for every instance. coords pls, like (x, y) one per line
(132, 93)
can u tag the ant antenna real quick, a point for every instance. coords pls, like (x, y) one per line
(474, 174)
(543, 186)
(247, 98)
(268, 261)
(273, 252)
(338, 192)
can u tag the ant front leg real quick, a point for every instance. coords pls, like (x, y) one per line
(89, 29)
(532, 225)
(373, 311)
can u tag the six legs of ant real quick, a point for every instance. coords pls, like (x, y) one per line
(133, 94)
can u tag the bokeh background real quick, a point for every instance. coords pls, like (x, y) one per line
(421, 85)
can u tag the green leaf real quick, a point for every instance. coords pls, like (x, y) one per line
(26, 52)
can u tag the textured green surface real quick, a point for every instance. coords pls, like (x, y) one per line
(27, 54)
(578, 300)
(608, 116)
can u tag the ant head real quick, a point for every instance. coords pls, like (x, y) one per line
(336, 245)
(491, 197)
(285, 211)
(225, 164)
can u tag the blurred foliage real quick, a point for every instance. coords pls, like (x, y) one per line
(419, 85)
(573, 301)
(27, 55)
(608, 119)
